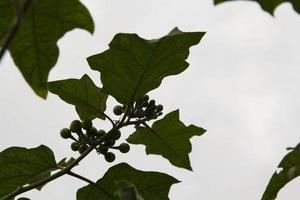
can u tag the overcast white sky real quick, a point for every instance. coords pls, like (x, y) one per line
(242, 86)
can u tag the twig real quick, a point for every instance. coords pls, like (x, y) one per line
(81, 177)
(48, 179)
(110, 119)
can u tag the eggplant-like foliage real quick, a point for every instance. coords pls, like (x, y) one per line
(149, 185)
(270, 5)
(34, 49)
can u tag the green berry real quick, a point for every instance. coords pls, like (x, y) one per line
(124, 147)
(145, 98)
(110, 157)
(75, 126)
(83, 148)
(115, 135)
(159, 108)
(118, 110)
(151, 102)
(138, 113)
(92, 131)
(109, 143)
(102, 150)
(101, 133)
(144, 104)
(65, 133)
(87, 124)
(75, 146)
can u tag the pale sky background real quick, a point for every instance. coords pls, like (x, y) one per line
(242, 85)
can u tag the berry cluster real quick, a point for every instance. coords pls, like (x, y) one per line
(85, 136)
(143, 109)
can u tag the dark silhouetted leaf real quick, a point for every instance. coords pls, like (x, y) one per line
(289, 169)
(168, 137)
(34, 49)
(133, 66)
(89, 100)
(150, 185)
(20, 166)
(270, 5)
(127, 191)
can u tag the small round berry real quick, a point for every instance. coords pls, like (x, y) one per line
(92, 131)
(145, 98)
(115, 135)
(118, 110)
(159, 108)
(144, 104)
(151, 102)
(102, 150)
(82, 148)
(87, 124)
(110, 157)
(109, 143)
(65, 133)
(75, 146)
(124, 147)
(101, 133)
(75, 126)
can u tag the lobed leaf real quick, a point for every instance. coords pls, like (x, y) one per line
(289, 169)
(133, 66)
(149, 185)
(20, 166)
(34, 49)
(270, 5)
(168, 137)
(89, 100)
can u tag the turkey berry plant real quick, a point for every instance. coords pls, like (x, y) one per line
(130, 69)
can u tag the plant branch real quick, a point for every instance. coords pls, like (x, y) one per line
(110, 119)
(20, 13)
(66, 170)
(81, 177)
(58, 174)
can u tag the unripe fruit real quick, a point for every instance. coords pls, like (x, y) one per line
(124, 147)
(115, 135)
(118, 110)
(102, 150)
(150, 111)
(101, 133)
(151, 102)
(110, 157)
(75, 146)
(65, 133)
(144, 104)
(109, 143)
(92, 131)
(83, 148)
(138, 113)
(75, 126)
(87, 124)
(159, 108)
(145, 98)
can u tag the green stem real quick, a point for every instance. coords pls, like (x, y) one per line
(110, 119)
(66, 170)
(81, 177)
(20, 13)
(48, 179)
